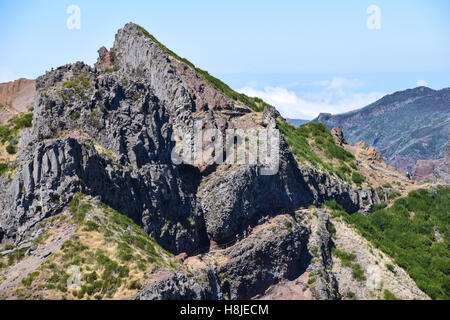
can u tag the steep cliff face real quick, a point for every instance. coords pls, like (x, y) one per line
(108, 132)
(122, 123)
(15, 97)
(404, 127)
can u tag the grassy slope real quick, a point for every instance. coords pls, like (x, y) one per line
(406, 231)
(312, 144)
(115, 257)
(9, 133)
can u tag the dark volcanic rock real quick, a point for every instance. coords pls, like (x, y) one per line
(178, 286)
(109, 134)
(241, 197)
(264, 259)
(153, 195)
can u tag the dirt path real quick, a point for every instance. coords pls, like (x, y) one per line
(17, 272)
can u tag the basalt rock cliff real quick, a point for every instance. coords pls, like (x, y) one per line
(107, 132)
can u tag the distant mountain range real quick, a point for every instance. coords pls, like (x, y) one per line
(91, 184)
(404, 127)
(297, 122)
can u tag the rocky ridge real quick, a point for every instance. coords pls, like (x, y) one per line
(108, 133)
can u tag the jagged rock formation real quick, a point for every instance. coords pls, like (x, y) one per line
(338, 136)
(404, 127)
(178, 286)
(262, 260)
(131, 113)
(372, 154)
(15, 97)
(109, 132)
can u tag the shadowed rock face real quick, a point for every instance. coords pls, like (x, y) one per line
(404, 127)
(262, 260)
(109, 134)
(178, 286)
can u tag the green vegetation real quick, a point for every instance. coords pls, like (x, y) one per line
(112, 252)
(70, 84)
(29, 280)
(347, 261)
(255, 104)
(406, 232)
(75, 86)
(346, 258)
(358, 178)
(75, 115)
(389, 295)
(79, 208)
(357, 272)
(16, 256)
(378, 206)
(304, 138)
(11, 149)
(4, 168)
(390, 267)
(10, 131)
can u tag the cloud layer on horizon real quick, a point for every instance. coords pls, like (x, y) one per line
(334, 96)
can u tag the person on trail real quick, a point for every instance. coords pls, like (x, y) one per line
(267, 218)
(249, 230)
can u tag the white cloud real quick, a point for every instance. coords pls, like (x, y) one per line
(422, 83)
(337, 96)
(340, 83)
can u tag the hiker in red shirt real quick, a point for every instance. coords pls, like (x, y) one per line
(249, 229)
(267, 218)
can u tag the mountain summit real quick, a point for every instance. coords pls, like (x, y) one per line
(93, 188)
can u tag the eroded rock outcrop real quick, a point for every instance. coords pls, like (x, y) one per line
(179, 286)
(15, 97)
(108, 132)
(123, 123)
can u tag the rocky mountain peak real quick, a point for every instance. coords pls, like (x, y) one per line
(101, 147)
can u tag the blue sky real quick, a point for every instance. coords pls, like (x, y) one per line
(305, 57)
